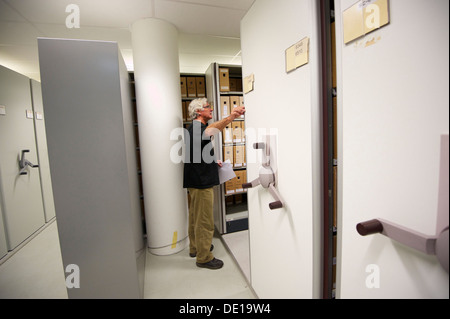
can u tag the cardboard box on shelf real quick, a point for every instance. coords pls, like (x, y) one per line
(191, 87)
(233, 84)
(227, 134)
(225, 106)
(238, 155)
(234, 102)
(241, 101)
(200, 84)
(239, 181)
(224, 80)
(238, 101)
(183, 109)
(228, 154)
(183, 86)
(243, 130)
(237, 131)
(229, 187)
(239, 84)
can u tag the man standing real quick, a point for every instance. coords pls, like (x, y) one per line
(200, 176)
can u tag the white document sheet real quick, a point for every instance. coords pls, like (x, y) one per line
(226, 172)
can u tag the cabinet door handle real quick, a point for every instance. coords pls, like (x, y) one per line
(408, 237)
(266, 178)
(430, 245)
(23, 163)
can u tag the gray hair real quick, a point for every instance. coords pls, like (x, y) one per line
(195, 106)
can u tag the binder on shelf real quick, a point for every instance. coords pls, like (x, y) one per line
(224, 79)
(183, 86)
(191, 87)
(225, 109)
(200, 84)
(228, 154)
(237, 131)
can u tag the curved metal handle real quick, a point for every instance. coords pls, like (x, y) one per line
(23, 163)
(430, 245)
(406, 236)
(266, 177)
(279, 202)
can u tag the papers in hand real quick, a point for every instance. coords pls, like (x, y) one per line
(226, 172)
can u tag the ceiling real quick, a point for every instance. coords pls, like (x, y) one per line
(209, 30)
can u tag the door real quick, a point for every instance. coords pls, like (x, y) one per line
(393, 108)
(21, 198)
(285, 243)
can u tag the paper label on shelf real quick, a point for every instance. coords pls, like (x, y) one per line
(228, 138)
(248, 83)
(2, 110)
(364, 17)
(297, 55)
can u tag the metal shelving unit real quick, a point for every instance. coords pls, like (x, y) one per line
(230, 213)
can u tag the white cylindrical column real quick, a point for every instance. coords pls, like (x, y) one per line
(157, 75)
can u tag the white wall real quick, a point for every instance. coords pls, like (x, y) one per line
(393, 107)
(285, 243)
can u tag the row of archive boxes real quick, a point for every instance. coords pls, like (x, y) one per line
(234, 186)
(234, 133)
(235, 154)
(228, 103)
(192, 86)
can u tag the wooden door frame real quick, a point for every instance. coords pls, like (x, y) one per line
(327, 149)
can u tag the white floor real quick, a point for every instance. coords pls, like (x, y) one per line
(36, 271)
(238, 244)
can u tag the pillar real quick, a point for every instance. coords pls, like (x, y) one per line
(157, 75)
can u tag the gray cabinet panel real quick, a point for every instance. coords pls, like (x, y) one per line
(94, 179)
(22, 207)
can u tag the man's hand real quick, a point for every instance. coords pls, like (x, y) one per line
(218, 126)
(238, 111)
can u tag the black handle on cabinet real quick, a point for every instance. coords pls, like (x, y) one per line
(276, 205)
(23, 163)
(370, 227)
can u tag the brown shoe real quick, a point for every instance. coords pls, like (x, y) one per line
(213, 264)
(195, 254)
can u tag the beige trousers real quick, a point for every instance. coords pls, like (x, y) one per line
(201, 223)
